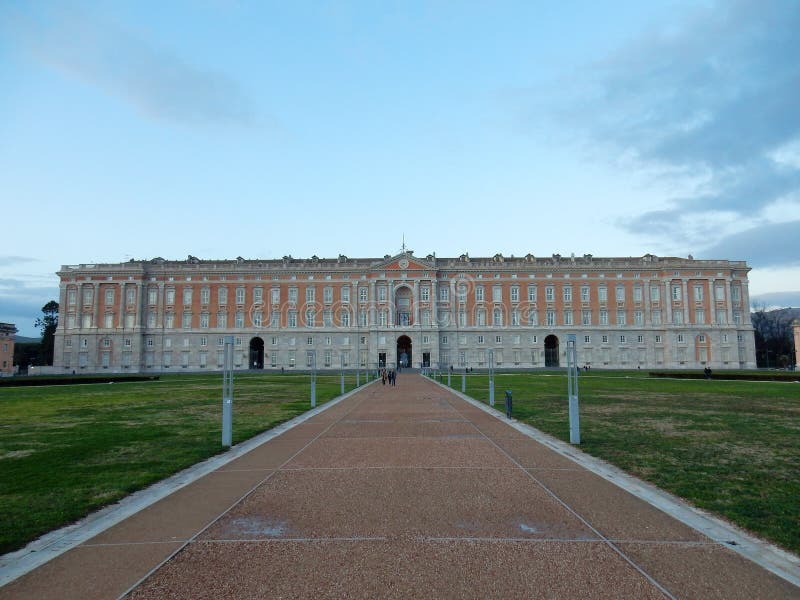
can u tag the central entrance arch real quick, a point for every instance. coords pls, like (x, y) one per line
(551, 351)
(404, 351)
(256, 353)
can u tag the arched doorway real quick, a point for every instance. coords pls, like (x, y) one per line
(256, 353)
(404, 351)
(551, 351)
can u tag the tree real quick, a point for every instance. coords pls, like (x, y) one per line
(48, 323)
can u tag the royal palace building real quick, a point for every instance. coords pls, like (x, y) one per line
(643, 312)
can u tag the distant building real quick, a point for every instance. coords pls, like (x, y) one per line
(646, 312)
(7, 336)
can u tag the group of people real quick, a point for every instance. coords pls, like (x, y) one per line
(390, 376)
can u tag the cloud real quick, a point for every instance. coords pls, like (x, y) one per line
(158, 82)
(713, 99)
(13, 261)
(775, 300)
(773, 244)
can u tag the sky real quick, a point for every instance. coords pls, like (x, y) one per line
(223, 128)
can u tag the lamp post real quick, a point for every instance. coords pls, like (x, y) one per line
(312, 355)
(227, 391)
(491, 377)
(572, 390)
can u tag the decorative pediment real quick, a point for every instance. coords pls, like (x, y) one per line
(403, 262)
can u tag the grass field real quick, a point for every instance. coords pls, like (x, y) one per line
(67, 450)
(732, 448)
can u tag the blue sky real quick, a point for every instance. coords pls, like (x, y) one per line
(220, 129)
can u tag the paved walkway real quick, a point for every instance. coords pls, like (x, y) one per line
(400, 492)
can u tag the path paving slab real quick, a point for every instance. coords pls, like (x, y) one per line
(401, 492)
(397, 569)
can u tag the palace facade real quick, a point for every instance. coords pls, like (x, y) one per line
(642, 312)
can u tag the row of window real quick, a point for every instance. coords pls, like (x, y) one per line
(516, 318)
(363, 340)
(425, 291)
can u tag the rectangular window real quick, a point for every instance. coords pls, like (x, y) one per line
(587, 339)
(169, 321)
(345, 294)
(550, 293)
(170, 296)
(603, 317)
(222, 296)
(480, 317)
(152, 296)
(698, 293)
(602, 294)
(109, 297)
(638, 317)
(130, 295)
(204, 320)
(621, 317)
(550, 315)
(532, 293)
(239, 295)
(676, 293)
(187, 295)
(311, 317)
(309, 341)
(187, 321)
(622, 339)
(658, 339)
(222, 320)
(656, 317)
(239, 320)
(567, 293)
(293, 295)
(479, 293)
(655, 293)
(567, 317)
(719, 293)
(425, 293)
(497, 317)
(108, 320)
(258, 295)
(71, 297)
(497, 294)
(700, 317)
(515, 318)
(620, 293)
(637, 293)
(444, 294)
(515, 294)
(585, 293)
(362, 294)
(381, 293)
(640, 339)
(88, 295)
(205, 295)
(275, 295)
(722, 317)
(677, 317)
(533, 318)
(311, 294)
(605, 339)
(498, 339)
(586, 317)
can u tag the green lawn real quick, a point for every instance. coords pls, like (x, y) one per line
(732, 448)
(67, 450)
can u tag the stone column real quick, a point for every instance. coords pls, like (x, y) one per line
(371, 304)
(392, 309)
(687, 306)
(729, 300)
(796, 331)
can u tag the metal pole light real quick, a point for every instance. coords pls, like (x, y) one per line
(227, 391)
(341, 372)
(313, 355)
(464, 378)
(572, 390)
(491, 377)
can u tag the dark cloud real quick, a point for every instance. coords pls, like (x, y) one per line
(712, 98)
(157, 81)
(774, 244)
